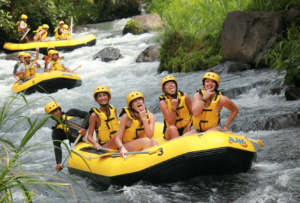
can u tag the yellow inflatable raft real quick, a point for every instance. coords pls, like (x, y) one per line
(210, 153)
(48, 81)
(61, 45)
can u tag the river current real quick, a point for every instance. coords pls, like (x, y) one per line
(275, 177)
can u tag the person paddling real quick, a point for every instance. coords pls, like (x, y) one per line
(21, 60)
(41, 34)
(22, 28)
(103, 120)
(176, 108)
(26, 70)
(75, 122)
(56, 64)
(207, 104)
(66, 35)
(136, 126)
(59, 31)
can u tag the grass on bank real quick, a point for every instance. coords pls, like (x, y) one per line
(13, 178)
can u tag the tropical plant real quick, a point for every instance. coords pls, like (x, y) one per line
(13, 178)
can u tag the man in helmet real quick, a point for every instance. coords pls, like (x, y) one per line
(136, 126)
(75, 122)
(176, 108)
(26, 70)
(103, 120)
(56, 64)
(41, 34)
(207, 104)
(22, 28)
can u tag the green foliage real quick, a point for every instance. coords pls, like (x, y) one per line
(199, 24)
(273, 5)
(13, 178)
(133, 27)
(285, 56)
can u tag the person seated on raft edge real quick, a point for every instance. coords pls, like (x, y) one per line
(26, 70)
(21, 60)
(207, 104)
(176, 108)
(66, 35)
(136, 126)
(47, 58)
(22, 28)
(41, 34)
(103, 120)
(75, 121)
(55, 64)
(62, 33)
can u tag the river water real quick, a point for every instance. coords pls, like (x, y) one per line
(275, 177)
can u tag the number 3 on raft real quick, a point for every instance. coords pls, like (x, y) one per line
(160, 151)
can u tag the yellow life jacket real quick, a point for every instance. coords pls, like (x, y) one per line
(38, 31)
(19, 63)
(19, 29)
(58, 35)
(66, 35)
(29, 70)
(135, 131)
(108, 127)
(71, 126)
(183, 117)
(56, 66)
(210, 116)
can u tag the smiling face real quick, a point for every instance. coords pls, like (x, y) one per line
(102, 98)
(21, 58)
(138, 104)
(210, 85)
(61, 25)
(54, 56)
(170, 87)
(56, 112)
(27, 59)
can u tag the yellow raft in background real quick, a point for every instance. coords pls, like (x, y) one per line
(48, 81)
(210, 153)
(61, 45)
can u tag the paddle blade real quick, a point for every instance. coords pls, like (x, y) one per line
(260, 143)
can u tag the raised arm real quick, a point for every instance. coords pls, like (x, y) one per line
(37, 54)
(188, 103)
(169, 117)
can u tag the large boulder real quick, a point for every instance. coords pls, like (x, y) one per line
(108, 54)
(143, 23)
(292, 94)
(230, 67)
(150, 54)
(245, 35)
(14, 56)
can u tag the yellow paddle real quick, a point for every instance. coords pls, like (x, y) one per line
(128, 153)
(260, 143)
(24, 35)
(76, 68)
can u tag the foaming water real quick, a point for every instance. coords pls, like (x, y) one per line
(273, 178)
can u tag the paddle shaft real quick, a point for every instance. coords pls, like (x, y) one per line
(71, 25)
(75, 143)
(24, 35)
(76, 68)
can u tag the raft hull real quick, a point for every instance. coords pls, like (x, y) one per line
(48, 83)
(61, 45)
(184, 163)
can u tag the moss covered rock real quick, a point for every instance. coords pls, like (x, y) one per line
(132, 27)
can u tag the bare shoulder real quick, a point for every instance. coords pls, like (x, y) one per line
(186, 95)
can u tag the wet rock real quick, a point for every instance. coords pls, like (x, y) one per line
(150, 54)
(14, 56)
(276, 90)
(291, 16)
(108, 54)
(245, 35)
(297, 80)
(143, 23)
(230, 67)
(292, 94)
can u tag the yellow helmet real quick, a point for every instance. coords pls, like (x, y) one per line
(102, 89)
(23, 16)
(55, 52)
(45, 26)
(50, 52)
(213, 76)
(66, 26)
(167, 79)
(51, 106)
(50, 47)
(134, 95)
(27, 55)
(21, 54)
(61, 22)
